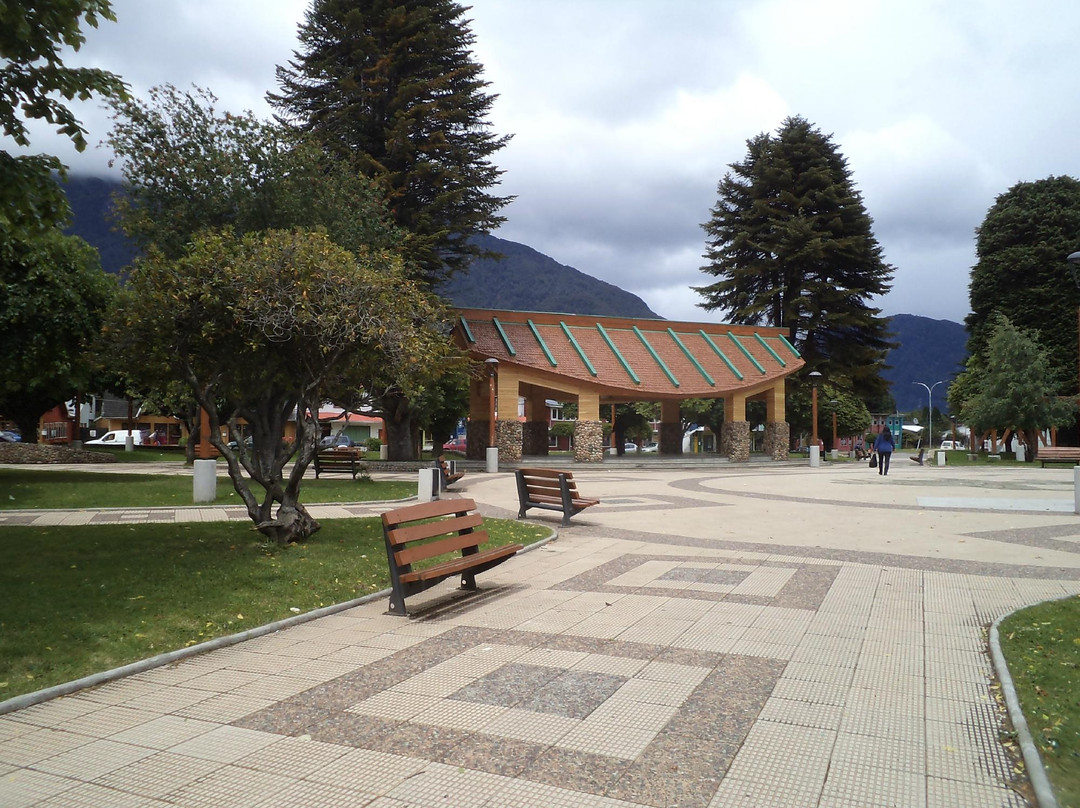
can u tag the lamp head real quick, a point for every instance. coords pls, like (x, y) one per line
(492, 365)
(1074, 267)
(815, 377)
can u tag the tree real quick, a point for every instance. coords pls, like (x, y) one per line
(394, 89)
(53, 296)
(792, 247)
(1021, 272)
(188, 167)
(265, 327)
(1015, 386)
(33, 79)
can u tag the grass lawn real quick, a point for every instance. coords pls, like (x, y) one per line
(20, 488)
(1042, 647)
(78, 600)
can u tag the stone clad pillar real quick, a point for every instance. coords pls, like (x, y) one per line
(589, 430)
(777, 430)
(670, 428)
(735, 437)
(534, 436)
(507, 426)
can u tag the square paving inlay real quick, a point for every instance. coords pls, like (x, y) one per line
(631, 721)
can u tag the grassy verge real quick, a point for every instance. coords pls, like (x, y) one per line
(1042, 647)
(77, 600)
(34, 489)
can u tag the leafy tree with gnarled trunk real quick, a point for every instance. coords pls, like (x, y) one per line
(265, 327)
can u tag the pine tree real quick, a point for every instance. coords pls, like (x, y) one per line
(792, 246)
(392, 86)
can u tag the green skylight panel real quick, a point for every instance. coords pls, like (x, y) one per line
(746, 353)
(692, 358)
(580, 352)
(722, 355)
(656, 357)
(619, 356)
(502, 335)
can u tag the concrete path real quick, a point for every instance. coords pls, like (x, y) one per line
(740, 636)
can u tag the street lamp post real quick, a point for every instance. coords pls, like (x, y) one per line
(1074, 269)
(492, 454)
(815, 447)
(835, 440)
(930, 420)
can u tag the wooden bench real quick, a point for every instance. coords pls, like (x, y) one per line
(447, 475)
(1059, 454)
(338, 461)
(552, 490)
(420, 533)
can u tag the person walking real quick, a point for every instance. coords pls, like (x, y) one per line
(883, 445)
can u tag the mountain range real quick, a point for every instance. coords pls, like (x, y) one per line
(524, 279)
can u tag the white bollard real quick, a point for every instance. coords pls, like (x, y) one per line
(384, 452)
(815, 457)
(129, 442)
(493, 459)
(427, 485)
(1076, 489)
(941, 458)
(834, 454)
(1021, 455)
(205, 485)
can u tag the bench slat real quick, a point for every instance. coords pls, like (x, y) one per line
(456, 541)
(454, 566)
(429, 530)
(428, 510)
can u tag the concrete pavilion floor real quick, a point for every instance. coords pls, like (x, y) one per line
(737, 635)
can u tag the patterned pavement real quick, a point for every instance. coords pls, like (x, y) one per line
(745, 636)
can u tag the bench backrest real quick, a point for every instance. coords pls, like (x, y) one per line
(546, 481)
(431, 529)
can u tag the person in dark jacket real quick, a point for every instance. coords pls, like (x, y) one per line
(883, 445)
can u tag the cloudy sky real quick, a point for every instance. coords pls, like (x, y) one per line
(626, 114)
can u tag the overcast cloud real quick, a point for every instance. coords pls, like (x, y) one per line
(626, 114)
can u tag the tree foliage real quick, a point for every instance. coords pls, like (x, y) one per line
(33, 80)
(189, 167)
(395, 90)
(792, 246)
(53, 295)
(1021, 271)
(1014, 387)
(265, 327)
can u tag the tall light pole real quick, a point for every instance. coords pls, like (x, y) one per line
(493, 367)
(930, 424)
(1074, 269)
(835, 439)
(815, 377)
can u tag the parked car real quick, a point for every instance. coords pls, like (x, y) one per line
(8, 436)
(248, 443)
(948, 444)
(651, 447)
(337, 442)
(455, 445)
(116, 437)
(630, 447)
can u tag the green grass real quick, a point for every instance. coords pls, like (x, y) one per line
(77, 600)
(33, 489)
(1042, 647)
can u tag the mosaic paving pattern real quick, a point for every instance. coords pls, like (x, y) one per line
(628, 720)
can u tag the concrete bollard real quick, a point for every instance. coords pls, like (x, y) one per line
(492, 459)
(815, 457)
(427, 485)
(941, 458)
(384, 452)
(205, 483)
(1076, 489)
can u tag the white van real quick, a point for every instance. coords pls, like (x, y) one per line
(117, 437)
(948, 444)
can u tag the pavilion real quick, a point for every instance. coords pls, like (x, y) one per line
(600, 361)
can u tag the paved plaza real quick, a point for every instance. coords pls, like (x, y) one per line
(746, 635)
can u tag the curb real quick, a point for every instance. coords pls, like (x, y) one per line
(1040, 783)
(104, 677)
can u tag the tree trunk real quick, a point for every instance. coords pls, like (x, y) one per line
(398, 416)
(291, 524)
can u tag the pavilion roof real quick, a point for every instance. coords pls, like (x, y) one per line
(629, 358)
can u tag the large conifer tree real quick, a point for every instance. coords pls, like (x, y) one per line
(792, 246)
(1021, 272)
(393, 86)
